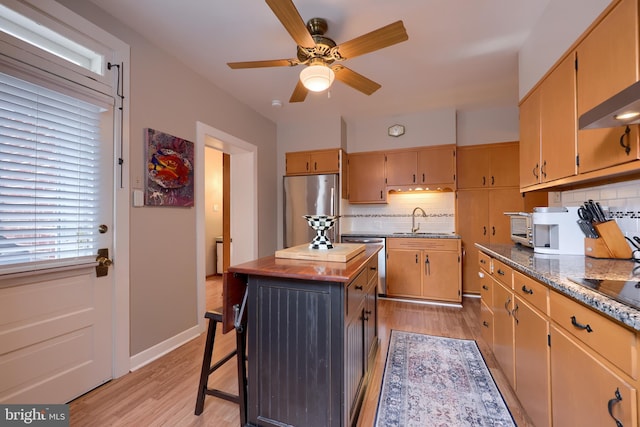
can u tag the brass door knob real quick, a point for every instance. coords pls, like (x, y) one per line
(104, 261)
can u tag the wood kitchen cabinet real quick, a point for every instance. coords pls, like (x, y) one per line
(428, 166)
(486, 298)
(608, 62)
(367, 177)
(313, 162)
(503, 326)
(424, 268)
(548, 128)
(488, 165)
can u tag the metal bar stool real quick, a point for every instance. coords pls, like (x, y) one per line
(231, 316)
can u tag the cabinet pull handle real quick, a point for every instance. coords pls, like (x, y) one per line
(484, 230)
(543, 170)
(367, 312)
(612, 402)
(423, 178)
(414, 178)
(527, 290)
(514, 313)
(485, 324)
(380, 194)
(417, 258)
(506, 305)
(535, 171)
(482, 261)
(427, 265)
(493, 230)
(493, 180)
(500, 272)
(307, 165)
(485, 287)
(575, 323)
(627, 146)
(358, 288)
(484, 181)
(372, 268)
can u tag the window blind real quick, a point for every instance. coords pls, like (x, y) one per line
(49, 173)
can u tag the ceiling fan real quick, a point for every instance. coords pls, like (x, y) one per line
(319, 52)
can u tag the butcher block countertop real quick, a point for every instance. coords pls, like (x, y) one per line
(325, 271)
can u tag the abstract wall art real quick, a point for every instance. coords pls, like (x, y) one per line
(169, 171)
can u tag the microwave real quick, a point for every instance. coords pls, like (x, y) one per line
(521, 228)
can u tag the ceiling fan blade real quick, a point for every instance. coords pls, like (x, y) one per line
(290, 18)
(377, 39)
(262, 64)
(299, 93)
(355, 80)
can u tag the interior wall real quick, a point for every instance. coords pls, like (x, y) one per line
(488, 126)
(166, 95)
(212, 207)
(562, 22)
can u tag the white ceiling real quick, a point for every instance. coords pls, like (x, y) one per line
(460, 54)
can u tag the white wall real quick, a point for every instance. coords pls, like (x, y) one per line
(212, 206)
(488, 126)
(562, 22)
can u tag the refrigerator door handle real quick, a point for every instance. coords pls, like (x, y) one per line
(333, 202)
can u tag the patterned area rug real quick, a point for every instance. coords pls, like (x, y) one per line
(437, 381)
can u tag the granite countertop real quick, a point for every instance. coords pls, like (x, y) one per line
(388, 234)
(321, 271)
(555, 270)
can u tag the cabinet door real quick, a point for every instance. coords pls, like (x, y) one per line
(356, 355)
(501, 201)
(437, 165)
(297, 163)
(532, 362)
(441, 276)
(558, 118)
(530, 140)
(583, 389)
(371, 320)
(401, 168)
(473, 227)
(473, 167)
(404, 273)
(504, 165)
(503, 338)
(325, 161)
(366, 178)
(486, 319)
(607, 63)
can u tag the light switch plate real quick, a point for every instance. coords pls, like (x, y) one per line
(138, 198)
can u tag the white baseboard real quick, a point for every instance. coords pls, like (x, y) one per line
(149, 355)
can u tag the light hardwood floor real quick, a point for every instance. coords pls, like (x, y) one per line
(163, 393)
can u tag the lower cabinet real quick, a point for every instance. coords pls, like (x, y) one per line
(568, 364)
(424, 268)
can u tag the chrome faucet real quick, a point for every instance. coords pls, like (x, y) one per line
(413, 219)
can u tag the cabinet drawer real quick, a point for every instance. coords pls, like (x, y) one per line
(486, 288)
(611, 340)
(423, 243)
(484, 261)
(356, 292)
(502, 272)
(531, 291)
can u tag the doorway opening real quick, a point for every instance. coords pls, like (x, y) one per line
(243, 202)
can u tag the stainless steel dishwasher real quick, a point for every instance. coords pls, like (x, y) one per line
(382, 257)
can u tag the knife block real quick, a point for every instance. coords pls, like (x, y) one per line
(610, 244)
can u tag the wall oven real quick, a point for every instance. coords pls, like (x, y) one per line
(382, 257)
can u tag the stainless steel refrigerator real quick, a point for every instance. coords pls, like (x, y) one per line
(309, 195)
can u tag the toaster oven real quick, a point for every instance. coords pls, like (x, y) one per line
(521, 228)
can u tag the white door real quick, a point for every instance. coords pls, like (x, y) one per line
(56, 335)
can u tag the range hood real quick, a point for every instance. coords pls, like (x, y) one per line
(619, 110)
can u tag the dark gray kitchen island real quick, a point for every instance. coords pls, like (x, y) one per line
(312, 337)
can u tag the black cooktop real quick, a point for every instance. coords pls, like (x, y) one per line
(624, 291)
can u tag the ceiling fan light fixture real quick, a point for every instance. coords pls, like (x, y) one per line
(317, 77)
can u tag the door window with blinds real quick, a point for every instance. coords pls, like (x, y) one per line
(52, 173)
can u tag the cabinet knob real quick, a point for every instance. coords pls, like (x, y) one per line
(485, 287)
(359, 288)
(485, 324)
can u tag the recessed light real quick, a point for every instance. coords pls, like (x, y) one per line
(626, 116)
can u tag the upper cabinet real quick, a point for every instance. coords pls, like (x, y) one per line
(366, 178)
(488, 165)
(607, 63)
(548, 128)
(428, 166)
(372, 174)
(602, 62)
(313, 162)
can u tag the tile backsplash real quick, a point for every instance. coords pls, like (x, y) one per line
(621, 200)
(396, 215)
